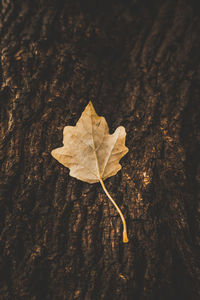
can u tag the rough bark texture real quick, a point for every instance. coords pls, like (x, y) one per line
(138, 61)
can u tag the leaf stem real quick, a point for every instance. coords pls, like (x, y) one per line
(125, 237)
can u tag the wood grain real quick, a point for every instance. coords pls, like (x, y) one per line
(139, 62)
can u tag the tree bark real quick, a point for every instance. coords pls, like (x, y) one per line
(139, 63)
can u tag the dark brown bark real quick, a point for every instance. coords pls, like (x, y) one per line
(138, 61)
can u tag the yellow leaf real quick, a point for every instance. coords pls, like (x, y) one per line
(91, 153)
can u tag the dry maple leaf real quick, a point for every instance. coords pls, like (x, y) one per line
(91, 153)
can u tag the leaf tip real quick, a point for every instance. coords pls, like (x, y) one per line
(90, 105)
(52, 152)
